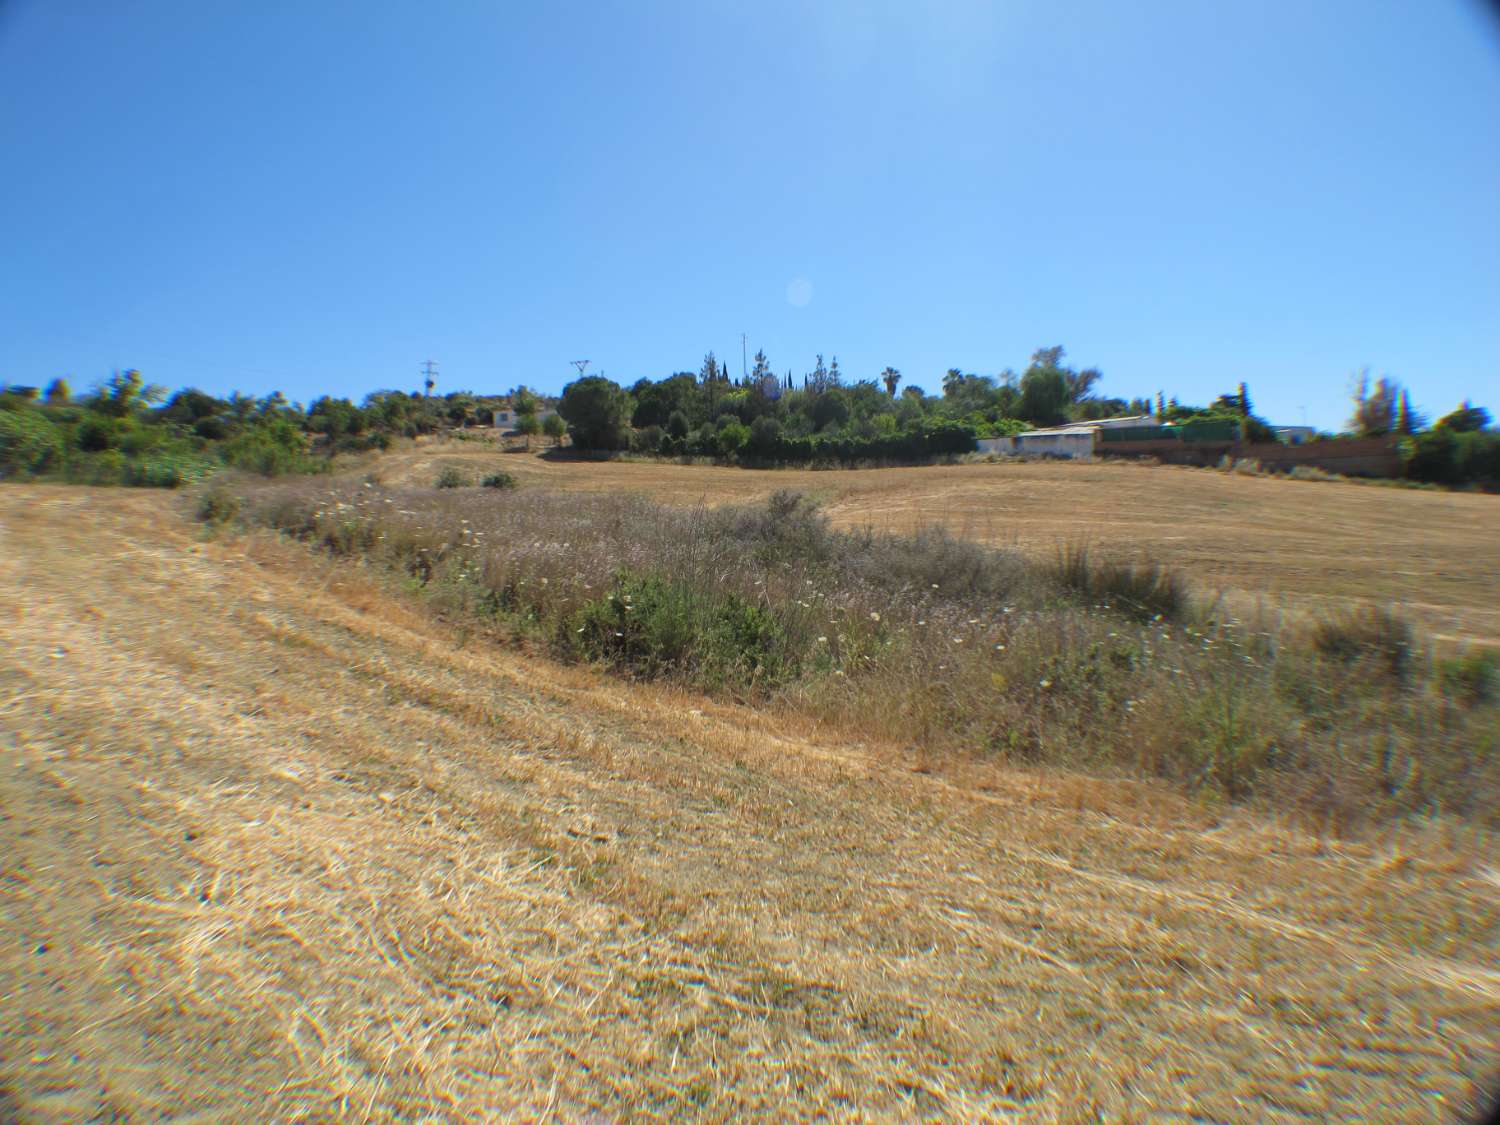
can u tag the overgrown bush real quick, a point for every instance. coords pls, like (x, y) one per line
(1146, 591)
(218, 505)
(1472, 679)
(652, 626)
(29, 443)
(452, 477)
(945, 644)
(1373, 637)
(118, 436)
(501, 479)
(274, 449)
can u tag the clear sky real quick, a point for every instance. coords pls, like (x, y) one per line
(317, 196)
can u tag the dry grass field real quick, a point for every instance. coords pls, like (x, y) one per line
(1309, 543)
(278, 845)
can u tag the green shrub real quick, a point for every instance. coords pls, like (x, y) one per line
(97, 433)
(107, 467)
(165, 468)
(653, 627)
(218, 505)
(501, 479)
(744, 644)
(732, 437)
(1472, 678)
(29, 443)
(1145, 591)
(1369, 636)
(270, 449)
(453, 477)
(645, 624)
(1445, 456)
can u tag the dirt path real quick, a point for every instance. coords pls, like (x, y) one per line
(1304, 543)
(275, 845)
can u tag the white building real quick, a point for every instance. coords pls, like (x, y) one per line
(1075, 441)
(506, 419)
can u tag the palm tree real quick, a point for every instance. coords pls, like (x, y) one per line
(892, 379)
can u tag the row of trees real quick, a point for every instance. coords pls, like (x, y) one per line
(1384, 407)
(1459, 448)
(128, 431)
(771, 418)
(768, 416)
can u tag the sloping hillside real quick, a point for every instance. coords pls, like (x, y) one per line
(276, 845)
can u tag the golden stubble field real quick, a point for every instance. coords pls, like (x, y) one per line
(1310, 544)
(278, 845)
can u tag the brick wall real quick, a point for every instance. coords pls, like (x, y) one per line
(1355, 457)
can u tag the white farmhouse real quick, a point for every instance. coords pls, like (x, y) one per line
(506, 417)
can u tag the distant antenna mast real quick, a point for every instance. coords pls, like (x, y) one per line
(582, 365)
(742, 355)
(429, 375)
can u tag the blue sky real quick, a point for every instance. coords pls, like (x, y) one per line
(318, 196)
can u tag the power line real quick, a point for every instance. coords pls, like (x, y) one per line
(581, 364)
(429, 374)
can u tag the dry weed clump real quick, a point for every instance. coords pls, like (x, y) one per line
(940, 642)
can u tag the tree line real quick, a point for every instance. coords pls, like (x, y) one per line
(127, 431)
(767, 417)
(1461, 447)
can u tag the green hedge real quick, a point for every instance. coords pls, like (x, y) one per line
(935, 440)
(1443, 456)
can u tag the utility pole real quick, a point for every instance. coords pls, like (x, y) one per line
(429, 374)
(743, 370)
(582, 365)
